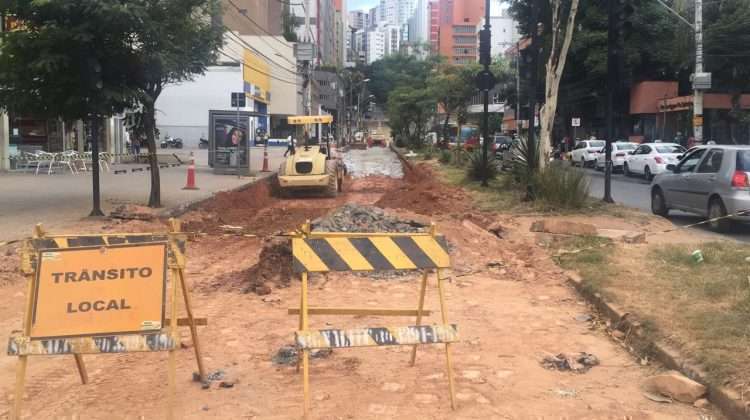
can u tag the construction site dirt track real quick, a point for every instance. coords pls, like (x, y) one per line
(509, 300)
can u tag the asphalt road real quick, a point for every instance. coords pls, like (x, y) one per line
(635, 192)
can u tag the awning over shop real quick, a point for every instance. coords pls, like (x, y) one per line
(310, 119)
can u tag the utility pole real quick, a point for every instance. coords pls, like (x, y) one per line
(701, 80)
(485, 82)
(612, 51)
(518, 87)
(698, 94)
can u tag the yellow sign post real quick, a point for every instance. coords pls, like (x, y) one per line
(346, 251)
(93, 294)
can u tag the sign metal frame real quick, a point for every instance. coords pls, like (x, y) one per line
(23, 345)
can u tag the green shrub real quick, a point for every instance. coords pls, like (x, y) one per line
(428, 153)
(445, 157)
(477, 166)
(561, 186)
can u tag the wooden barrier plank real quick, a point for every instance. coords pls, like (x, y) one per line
(20, 345)
(378, 336)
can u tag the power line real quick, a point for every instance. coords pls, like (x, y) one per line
(243, 14)
(255, 68)
(258, 70)
(244, 43)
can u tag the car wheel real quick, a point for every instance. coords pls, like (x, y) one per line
(626, 169)
(716, 210)
(647, 173)
(658, 203)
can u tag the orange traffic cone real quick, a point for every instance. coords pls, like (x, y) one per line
(265, 157)
(191, 177)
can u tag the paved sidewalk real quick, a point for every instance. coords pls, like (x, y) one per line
(62, 199)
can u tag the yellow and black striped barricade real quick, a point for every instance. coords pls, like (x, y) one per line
(344, 251)
(103, 294)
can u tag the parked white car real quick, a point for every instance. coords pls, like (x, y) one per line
(584, 152)
(620, 150)
(652, 158)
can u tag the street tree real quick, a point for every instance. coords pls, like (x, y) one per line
(172, 41)
(409, 110)
(453, 87)
(563, 23)
(69, 59)
(398, 70)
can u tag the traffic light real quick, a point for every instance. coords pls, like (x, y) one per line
(485, 55)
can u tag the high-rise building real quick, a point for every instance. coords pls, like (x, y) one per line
(322, 30)
(504, 29)
(358, 19)
(434, 7)
(253, 17)
(419, 23)
(457, 29)
(382, 41)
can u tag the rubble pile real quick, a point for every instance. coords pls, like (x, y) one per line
(357, 218)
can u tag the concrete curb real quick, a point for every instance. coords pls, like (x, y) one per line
(727, 400)
(192, 205)
(401, 156)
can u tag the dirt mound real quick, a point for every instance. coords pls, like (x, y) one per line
(273, 270)
(423, 194)
(356, 218)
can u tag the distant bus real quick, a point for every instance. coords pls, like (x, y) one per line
(467, 131)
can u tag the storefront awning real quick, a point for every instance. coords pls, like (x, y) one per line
(310, 119)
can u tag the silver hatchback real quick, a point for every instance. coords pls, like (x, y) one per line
(711, 181)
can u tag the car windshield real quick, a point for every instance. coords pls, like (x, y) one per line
(670, 149)
(625, 146)
(743, 160)
(596, 143)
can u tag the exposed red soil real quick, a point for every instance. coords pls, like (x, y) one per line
(422, 193)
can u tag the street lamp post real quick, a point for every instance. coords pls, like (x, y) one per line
(485, 82)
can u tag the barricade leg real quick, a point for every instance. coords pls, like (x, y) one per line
(81, 369)
(422, 290)
(305, 352)
(20, 380)
(448, 363)
(193, 327)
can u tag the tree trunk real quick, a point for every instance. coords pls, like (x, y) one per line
(149, 122)
(96, 204)
(555, 66)
(446, 136)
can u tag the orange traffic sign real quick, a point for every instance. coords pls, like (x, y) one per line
(99, 290)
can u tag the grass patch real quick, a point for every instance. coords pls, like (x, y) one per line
(711, 303)
(500, 196)
(589, 256)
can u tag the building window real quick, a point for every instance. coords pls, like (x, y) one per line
(464, 40)
(464, 29)
(464, 51)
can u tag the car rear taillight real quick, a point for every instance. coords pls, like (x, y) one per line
(620, 154)
(740, 180)
(658, 159)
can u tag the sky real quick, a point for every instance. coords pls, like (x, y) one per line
(361, 4)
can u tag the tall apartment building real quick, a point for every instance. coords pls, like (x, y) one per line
(504, 30)
(419, 23)
(457, 29)
(434, 12)
(382, 41)
(358, 19)
(322, 31)
(253, 17)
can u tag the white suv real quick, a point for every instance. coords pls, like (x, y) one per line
(585, 152)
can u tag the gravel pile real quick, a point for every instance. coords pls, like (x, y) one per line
(356, 218)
